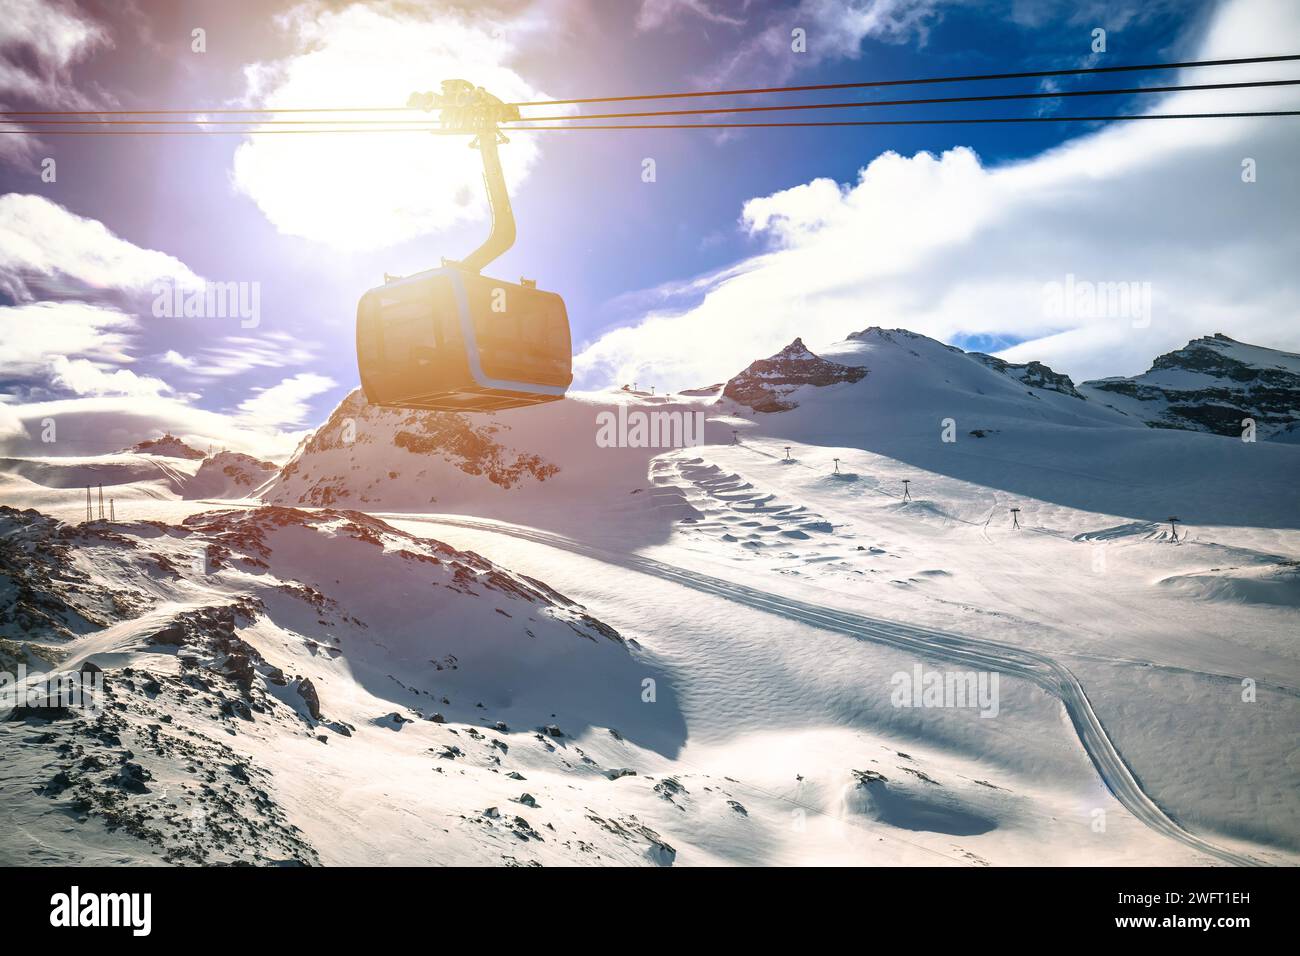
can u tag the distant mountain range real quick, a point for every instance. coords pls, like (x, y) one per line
(1213, 384)
(884, 390)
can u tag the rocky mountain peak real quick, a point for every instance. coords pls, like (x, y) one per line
(765, 386)
(795, 350)
(1032, 374)
(167, 446)
(1215, 384)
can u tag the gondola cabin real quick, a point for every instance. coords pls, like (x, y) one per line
(453, 340)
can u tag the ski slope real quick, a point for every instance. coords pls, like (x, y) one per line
(927, 643)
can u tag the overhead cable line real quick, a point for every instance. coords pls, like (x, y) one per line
(817, 87)
(988, 98)
(969, 78)
(217, 132)
(914, 122)
(645, 126)
(217, 111)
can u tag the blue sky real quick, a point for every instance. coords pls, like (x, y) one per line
(668, 265)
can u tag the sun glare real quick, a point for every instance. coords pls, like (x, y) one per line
(359, 191)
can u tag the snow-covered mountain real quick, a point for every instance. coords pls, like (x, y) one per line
(521, 463)
(765, 386)
(356, 431)
(1027, 430)
(1212, 384)
(1023, 427)
(129, 477)
(229, 474)
(716, 647)
(249, 652)
(1209, 385)
(404, 459)
(167, 446)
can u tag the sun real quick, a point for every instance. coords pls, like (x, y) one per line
(361, 191)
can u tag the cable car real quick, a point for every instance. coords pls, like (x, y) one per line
(434, 340)
(450, 338)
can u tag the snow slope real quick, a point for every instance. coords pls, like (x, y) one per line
(937, 645)
(769, 585)
(303, 687)
(253, 634)
(1035, 442)
(1091, 580)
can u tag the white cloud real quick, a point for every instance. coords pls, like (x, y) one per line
(175, 359)
(40, 42)
(1113, 16)
(382, 189)
(236, 354)
(834, 30)
(83, 348)
(659, 13)
(11, 425)
(837, 29)
(285, 403)
(33, 333)
(40, 238)
(20, 151)
(947, 245)
(87, 378)
(91, 426)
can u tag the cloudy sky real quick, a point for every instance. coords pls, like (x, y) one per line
(741, 242)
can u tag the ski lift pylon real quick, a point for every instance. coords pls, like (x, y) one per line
(450, 338)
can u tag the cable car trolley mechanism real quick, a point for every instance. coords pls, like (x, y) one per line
(450, 338)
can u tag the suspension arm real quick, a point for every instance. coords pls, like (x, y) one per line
(502, 236)
(466, 108)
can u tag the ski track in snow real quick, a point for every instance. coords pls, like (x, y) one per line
(1047, 673)
(174, 477)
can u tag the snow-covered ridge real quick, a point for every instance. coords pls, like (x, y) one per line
(45, 591)
(229, 474)
(516, 462)
(879, 388)
(167, 446)
(904, 337)
(61, 580)
(1212, 384)
(165, 467)
(236, 644)
(389, 440)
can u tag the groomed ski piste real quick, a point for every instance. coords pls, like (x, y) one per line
(930, 645)
(528, 648)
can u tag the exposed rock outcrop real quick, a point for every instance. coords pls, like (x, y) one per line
(1213, 384)
(766, 385)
